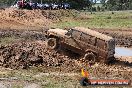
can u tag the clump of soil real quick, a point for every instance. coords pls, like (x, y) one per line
(23, 18)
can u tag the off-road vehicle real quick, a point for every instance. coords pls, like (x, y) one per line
(94, 46)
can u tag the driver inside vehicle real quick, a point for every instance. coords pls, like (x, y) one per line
(69, 33)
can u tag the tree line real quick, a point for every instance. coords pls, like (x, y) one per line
(85, 4)
(117, 4)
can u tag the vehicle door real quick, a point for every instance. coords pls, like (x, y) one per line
(102, 47)
(87, 41)
(73, 37)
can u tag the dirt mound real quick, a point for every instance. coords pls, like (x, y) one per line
(57, 15)
(23, 17)
(16, 18)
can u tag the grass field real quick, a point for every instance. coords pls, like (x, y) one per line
(115, 19)
(34, 75)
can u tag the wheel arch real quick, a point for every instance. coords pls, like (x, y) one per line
(94, 52)
(53, 36)
(52, 43)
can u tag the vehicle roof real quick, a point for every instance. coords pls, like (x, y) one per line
(94, 33)
(59, 31)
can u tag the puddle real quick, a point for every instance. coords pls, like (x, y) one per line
(122, 51)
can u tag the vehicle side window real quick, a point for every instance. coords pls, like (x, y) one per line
(76, 34)
(101, 44)
(69, 33)
(87, 38)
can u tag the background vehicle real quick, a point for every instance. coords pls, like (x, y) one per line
(28, 4)
(93, 45)
(54, 6)
(24, 5)
(65, 6)
(46, 6)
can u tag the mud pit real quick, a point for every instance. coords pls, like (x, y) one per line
(30, 50)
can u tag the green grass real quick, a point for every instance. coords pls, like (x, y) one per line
(36, 75)
(45, 81)
(29, 76)
(121, 19)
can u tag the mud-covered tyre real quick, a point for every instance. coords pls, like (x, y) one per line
(52, 43)
(111, 60)
(90, 57)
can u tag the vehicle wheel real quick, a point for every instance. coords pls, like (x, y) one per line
(90, 57)
(111, 60)
(52, 43)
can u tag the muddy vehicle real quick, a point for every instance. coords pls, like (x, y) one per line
(92, 45)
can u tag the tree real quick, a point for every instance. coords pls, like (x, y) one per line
(118, 4)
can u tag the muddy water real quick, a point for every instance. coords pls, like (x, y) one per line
(122, 51)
